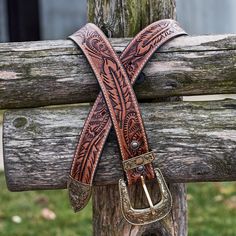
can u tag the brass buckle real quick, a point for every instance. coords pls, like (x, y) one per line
(146, 215)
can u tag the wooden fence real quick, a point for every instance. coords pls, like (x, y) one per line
(194, 141)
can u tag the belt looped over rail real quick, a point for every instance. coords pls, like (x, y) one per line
(117, 105)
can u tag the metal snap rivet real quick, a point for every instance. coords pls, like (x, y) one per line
(134, 144)
(140, 168)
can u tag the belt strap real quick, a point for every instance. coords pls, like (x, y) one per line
(120, 106)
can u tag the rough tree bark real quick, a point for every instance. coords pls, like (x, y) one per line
(125, 18)
(108, 218)
(194, 141)
(185, 66)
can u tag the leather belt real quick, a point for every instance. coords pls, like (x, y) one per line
(117, 105)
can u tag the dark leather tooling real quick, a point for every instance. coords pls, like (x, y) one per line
(117, 106)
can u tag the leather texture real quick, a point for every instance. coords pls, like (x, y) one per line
(115, 77)
(118, 95)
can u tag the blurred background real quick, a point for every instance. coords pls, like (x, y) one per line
(212, 208)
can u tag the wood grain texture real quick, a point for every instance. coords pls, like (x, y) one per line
(125, 18)
(174, 224)
(193, 141)
(44, 73)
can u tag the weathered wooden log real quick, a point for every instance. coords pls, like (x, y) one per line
(184, 66)
(194, 141)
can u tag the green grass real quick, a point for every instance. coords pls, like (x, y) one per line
(28, 205)
(212, 212)
(212, 209)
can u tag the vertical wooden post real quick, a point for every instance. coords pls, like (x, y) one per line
(125, 18)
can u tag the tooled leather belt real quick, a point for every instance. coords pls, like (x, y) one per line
(117, 105)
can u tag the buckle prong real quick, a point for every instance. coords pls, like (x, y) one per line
(147, 194)
(146, 215)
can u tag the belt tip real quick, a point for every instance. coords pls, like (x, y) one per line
(79, 194)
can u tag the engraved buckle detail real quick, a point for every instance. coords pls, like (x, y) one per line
(79, 193)
(134, 162)
(146, 215)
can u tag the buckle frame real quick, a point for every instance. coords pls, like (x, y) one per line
(146, 215)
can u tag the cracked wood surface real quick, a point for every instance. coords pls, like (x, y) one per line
(124, 18)
(193, 141)
(195, 65)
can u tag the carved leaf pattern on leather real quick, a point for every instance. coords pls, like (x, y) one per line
(96, 128)
(99, 124)
(120, 99)
(94, 132)
(109, 73)
(147, 41)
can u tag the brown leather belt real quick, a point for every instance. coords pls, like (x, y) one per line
(117, 105)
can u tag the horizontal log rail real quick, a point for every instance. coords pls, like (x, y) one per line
(44, 73)
(194, 141)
